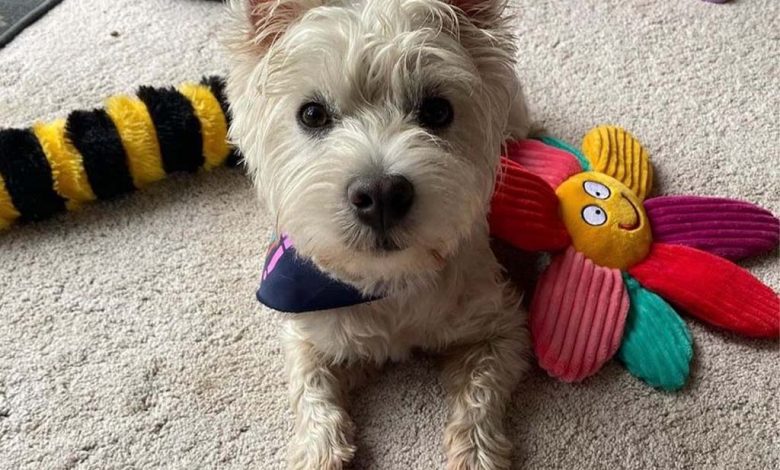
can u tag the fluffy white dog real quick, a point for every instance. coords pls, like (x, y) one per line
(373, 130)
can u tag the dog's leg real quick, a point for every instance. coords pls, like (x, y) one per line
(480, 379)
(323, 430)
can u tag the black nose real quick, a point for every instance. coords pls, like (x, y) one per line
(381, 202)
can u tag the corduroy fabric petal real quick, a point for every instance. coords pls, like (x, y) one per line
(725, 227)
(524, 211)
(577, 316)
(549, 163)
(615, 152)
(711, 288)
(657, 346)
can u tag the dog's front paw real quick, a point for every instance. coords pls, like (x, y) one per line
(320, 447)
(474, 447)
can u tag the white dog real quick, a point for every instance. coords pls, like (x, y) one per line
(373, 129)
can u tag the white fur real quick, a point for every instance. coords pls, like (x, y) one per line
(371, 60)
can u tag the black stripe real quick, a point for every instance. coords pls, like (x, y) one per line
(217, 86)
(178, 128)
(94, 135)
(235, 158)
(27, 175)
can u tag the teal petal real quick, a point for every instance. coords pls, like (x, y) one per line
(657, 345)
(558, 143)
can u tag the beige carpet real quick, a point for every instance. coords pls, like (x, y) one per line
(129, 337)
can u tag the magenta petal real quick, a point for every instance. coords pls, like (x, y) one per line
(724, 227)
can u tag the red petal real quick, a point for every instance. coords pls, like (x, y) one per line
(711, 288)
(577, 316)
(524, 211)
(551, 164)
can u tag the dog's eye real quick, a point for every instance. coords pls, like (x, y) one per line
(313, 116)
(435, 113)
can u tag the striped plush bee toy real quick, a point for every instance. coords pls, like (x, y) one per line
(105, 153)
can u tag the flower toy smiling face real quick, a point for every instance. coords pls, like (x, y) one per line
(618, 255)
(605, 219)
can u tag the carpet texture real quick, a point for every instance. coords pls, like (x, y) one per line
(129, 335)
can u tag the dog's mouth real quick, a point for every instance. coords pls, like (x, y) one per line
(386, 244)
(383, 244)
(376, 245)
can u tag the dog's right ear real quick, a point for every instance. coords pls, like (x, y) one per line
(262, 22)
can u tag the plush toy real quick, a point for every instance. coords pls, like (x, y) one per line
(104, 153)
(618, 255)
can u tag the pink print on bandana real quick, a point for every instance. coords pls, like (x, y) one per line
(275, 251)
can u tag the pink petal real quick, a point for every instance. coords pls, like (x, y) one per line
(577, 316)
(551, 164)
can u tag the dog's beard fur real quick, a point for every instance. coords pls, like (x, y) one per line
(372, 62)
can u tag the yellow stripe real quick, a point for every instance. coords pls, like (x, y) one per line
(139, 139)
(67, 166)
(213, 126)
(8, 212)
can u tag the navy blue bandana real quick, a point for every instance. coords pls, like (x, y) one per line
(293, 284)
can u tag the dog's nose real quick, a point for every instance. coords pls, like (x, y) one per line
(381, 202)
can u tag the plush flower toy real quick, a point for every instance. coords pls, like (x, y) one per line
(619, 256)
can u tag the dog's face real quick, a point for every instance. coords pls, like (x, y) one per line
(373, 128)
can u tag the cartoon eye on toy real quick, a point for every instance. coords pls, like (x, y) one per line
(614, 263)
(594, 215)
(596, 189)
